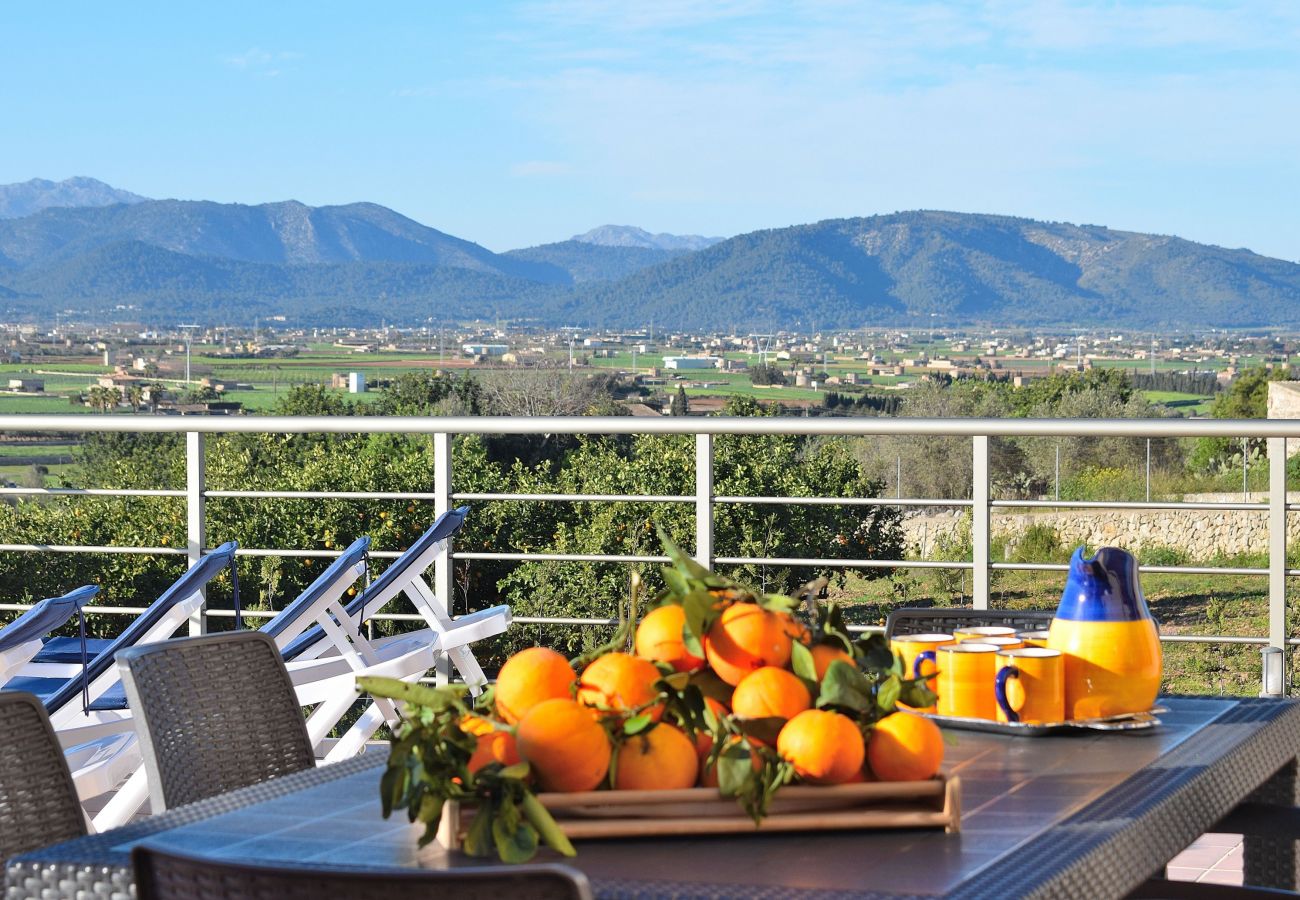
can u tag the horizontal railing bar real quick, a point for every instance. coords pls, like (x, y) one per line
(544, 620)
(1211, 639)
(578, 498)
(848, 563)
(562, 557)
(741, 425)
(840, 501)
(322, 495)
(79, 548)
(1125, 504)
(1152, 570)
(91, 492)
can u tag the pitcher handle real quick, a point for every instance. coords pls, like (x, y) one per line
(1000, 691)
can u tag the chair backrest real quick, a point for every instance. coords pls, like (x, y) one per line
(922, 621)
(295, 618)
(213, 713)
(193, 581)
(411, 564)
(38, 801)
(162, 875)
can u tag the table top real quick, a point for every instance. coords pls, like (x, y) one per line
(1089, 814)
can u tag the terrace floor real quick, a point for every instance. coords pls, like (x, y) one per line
(1211, 859)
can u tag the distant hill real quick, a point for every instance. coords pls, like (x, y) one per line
(901, 268)
(595, 262)
(279, 233)
(18, 200)
(355, 264)
(631, 236)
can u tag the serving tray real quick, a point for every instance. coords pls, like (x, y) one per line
(694, 811)
(1138, 721)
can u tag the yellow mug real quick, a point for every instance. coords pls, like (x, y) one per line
(966, 679)
(1030, 685)
(1034, 638)
(980, 632)
(917, 651)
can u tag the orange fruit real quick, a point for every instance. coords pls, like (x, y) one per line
(825, 654)
(493, 745)
(747, 637)
(566, 748)
(660, 759)
(620, 681)
(825, 747)
(770, 691)
(528, 678)
(659, 637)
(905, 747)
(797, 630)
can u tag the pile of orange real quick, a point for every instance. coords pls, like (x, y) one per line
(561, 722)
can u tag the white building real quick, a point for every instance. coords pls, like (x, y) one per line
(692, 362)
(356, 382)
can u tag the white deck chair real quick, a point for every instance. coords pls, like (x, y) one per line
(23, 638)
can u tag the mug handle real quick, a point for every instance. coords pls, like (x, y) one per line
(923, 656)
(1000, 691)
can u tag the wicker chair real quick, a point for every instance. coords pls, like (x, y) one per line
(945, 621)
(213, 713)
(38, 802)
(167, 876)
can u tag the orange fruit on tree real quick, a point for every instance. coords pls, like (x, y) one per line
(825, 747)
(621, 682)
(747, 637)
(567, 749)
(825, 654)
(905, 747)
(660, 759)
(528, 678)
(659, 637)
(770, 691)
(493, 745)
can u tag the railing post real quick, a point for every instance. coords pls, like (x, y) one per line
(1277, 624)
(443, 584)
(196, 537)
(704, 500)
(979, 531)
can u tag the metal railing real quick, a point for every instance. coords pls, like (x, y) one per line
(981, 504)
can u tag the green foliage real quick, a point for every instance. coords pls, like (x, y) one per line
(1038, 543)
(680, 405)
(1160, 555)
(765, 374)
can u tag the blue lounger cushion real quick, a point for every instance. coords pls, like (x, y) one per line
(194, 579)
(67, 650)
(44, 617)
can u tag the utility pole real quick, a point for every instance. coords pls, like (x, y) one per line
(189, 336)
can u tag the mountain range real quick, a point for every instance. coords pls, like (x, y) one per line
(86, 246)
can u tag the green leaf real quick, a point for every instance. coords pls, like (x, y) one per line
(637, 724)
(540, 818)
(916, 693)
(778, 603)
(765, 729)
(801, 660)
(735, 771)
(676, 581)
(478, 839)
(876, 652)
(519, 771)
(845, 685)
(417, 694)
(698, 606)
(888, 692)
(684, 563)
(691, 643)
(515, 839)
(392, 788)
(677, 681)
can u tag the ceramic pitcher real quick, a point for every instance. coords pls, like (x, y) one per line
(1111, 647)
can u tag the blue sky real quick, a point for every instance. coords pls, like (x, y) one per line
(513, 124)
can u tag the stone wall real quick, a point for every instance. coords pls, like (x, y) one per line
(1201, 534)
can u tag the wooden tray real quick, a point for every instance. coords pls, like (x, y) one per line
(614, 814)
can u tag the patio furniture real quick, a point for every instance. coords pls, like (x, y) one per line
(1089, 815)
(21, 640)
(38, 802)
(213, 713)
(173, 876)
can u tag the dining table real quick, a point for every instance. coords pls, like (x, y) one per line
(1088, 814)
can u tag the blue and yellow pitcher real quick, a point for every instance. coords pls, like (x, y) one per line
(1111, 647)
